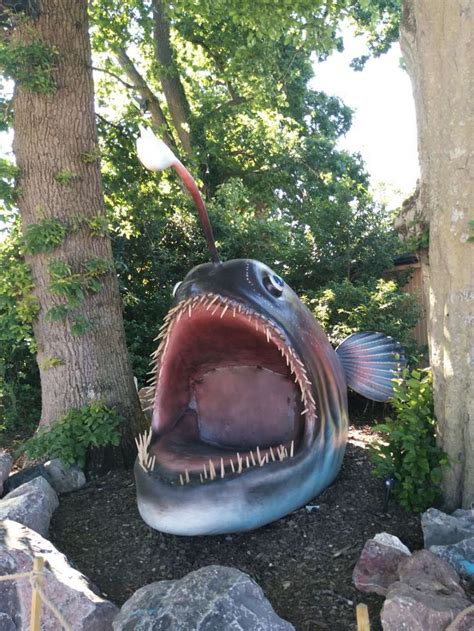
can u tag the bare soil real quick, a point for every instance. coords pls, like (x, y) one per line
(303, 562)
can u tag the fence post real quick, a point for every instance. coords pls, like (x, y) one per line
(38, 565)
(362, 613)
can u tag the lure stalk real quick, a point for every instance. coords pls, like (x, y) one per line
(155, 155)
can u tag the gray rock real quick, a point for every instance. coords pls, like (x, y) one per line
(406, 608)
(377, 566)
(25, 475)
(64, 479)
(6, 623)
(459, 555)
(65, 587)
(440, 529)
(464, 621)
(6, 462)
(464, 516)
(31, 504)
(212, 598)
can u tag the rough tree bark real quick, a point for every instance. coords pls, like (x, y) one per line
(55, 135)
(437, 39)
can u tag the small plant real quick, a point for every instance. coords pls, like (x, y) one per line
(31, 65)
(408, 451)
(44, 236)
(51, 362)
(70, 437)
(65, 176)
(88, 157)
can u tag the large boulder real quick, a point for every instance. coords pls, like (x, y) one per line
(64, 479)
(377, 566)
(6, 462)
(428, 595)
(460, 555)
(31, 504)
(440, 529)
(66, 588)
(212, 598)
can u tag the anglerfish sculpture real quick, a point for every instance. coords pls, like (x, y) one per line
(249, 414)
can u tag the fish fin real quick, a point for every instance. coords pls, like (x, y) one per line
(371, 362)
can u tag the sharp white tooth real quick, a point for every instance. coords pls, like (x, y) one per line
(212, 470)
(181, 481)
(233, 312)
(267, 334)
(258, 453)
(201, 478)
(212, 302)
(252, 458)
(272, 454)
(153, 462)
(232, 465)
(304, 412)
(225, 309)
(292, 448)
(247, 461)
(186, 475)
(239, 460)
(205, 471)
(190, 310)
(222, 468)
(285, 451)
(180, 315)
(215, 309)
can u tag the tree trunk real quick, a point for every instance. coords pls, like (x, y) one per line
(437, 39)
(56, 150)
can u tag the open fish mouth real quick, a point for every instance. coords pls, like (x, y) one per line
(231, 394)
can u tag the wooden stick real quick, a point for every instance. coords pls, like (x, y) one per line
(38, 565)
(362, 613)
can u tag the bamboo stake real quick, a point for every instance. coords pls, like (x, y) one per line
(38, 565)
(362, 613)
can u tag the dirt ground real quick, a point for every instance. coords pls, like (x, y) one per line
(303, 562)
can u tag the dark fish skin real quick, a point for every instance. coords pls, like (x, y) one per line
(259, 495)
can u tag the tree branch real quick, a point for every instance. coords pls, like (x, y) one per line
(169, 76)
(115, 76)
(152, 102)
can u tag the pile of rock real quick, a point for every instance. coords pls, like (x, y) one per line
(423, 590)
(212, 597)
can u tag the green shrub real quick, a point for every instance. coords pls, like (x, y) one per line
(408, 449)
(343, 308)
(70, 437)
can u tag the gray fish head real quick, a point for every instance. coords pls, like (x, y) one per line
(250, 407)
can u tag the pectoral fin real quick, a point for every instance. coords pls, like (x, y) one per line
(371, 362)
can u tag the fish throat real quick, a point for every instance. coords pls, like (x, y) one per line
(231, 393)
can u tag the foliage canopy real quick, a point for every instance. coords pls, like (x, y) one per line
(226, 85)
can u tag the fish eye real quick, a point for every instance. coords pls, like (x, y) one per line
(175, 288)
(274, 284)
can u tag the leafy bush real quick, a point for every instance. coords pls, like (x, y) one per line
(408, 451)
(70, 437)
(379, 305)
